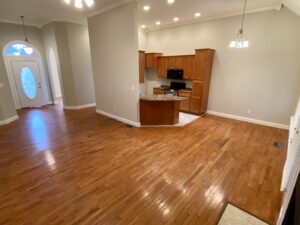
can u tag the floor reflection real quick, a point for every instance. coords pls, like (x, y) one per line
(38, 131)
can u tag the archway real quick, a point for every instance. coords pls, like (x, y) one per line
(26, 75)
(55, 78)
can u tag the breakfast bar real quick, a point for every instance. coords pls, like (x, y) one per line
(159, 110)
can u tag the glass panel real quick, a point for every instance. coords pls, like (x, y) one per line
(28, 83)
(19, 50)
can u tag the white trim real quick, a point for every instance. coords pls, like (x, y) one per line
(250, 120)
(9, 120)
(123, 120)
(277, 7)
(80, 106)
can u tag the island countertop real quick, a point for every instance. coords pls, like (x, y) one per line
(161, 98)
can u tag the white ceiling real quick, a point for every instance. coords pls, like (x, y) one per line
(40, 12)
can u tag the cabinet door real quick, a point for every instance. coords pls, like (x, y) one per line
(185, 104)
(158, 91)
(151, 60)
(179, 62)
(172, 62)
(162, 66)
(195, 105)
(142, 66)
(200, 64)
(188, 67)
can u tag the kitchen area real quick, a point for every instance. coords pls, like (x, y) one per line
(174, 85)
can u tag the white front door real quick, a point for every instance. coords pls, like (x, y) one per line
(28, 83)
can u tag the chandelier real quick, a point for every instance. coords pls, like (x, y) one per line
(79, 3)
(27, 48)
(240, 40)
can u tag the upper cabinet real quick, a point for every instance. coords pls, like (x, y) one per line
(142, 60)
(185, 62)
(162, 66)
(151, 60)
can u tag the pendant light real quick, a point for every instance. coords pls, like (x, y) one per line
(240, 40)
(27, 48)
(79, 3)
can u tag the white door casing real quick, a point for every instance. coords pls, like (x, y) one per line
(37, 58)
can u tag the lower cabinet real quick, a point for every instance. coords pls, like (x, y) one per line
(158, 91)
(186, 104)
(195, 105)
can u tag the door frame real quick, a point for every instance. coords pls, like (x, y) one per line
(8, 65)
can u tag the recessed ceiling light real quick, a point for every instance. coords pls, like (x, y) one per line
(89, 3)
(78, 4)
(197, 14)
(143, 26)
(171, 1)
(146, 8)
(176, 19)
(157, 23)
(67, 1)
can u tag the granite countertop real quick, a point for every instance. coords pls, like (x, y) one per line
(161, 98)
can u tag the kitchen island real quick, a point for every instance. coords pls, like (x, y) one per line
(159, 110)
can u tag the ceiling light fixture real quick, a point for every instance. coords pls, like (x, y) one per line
(240, 40)
(176, 19)
(146, 8)
(157, 23)
(28, 49)
(79, 3)
(143, 26)
(171, 1)
(197, 14)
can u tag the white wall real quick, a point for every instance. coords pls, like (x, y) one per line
(264, 78)
(114, 50)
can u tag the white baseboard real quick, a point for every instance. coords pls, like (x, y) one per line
(80, 106)
(123, 120)
(250, 120)
(9, 120)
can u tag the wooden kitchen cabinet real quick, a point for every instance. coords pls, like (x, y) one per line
(158, 91)
(179, 62)
(201, 80)
(188, 67)
(151, 60)
(185, 104)
(142, 67)
(172, 62)
(162, 66)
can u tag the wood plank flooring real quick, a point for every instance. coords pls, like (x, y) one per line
(78, 167)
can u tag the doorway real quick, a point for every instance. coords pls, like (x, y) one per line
(55, 78)
(25, 75)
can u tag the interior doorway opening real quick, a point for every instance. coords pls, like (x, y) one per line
(55, 78)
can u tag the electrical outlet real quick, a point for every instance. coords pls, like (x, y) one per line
(249, 111)
(1, 85)
(115, 109)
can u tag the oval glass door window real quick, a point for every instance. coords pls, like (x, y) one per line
(28, 83)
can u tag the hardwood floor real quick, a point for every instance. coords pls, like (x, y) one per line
(77, 167)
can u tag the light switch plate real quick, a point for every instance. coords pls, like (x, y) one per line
(1, 85)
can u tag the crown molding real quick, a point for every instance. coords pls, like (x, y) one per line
(19, 23)
(276, 7)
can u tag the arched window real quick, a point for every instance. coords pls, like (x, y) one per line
(20, 49)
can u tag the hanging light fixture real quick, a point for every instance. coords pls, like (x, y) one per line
(79, 3)
(240, 40)
(27, 48)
